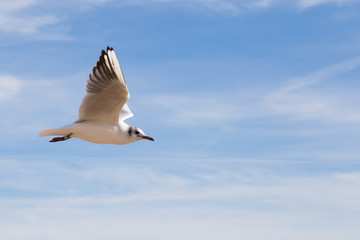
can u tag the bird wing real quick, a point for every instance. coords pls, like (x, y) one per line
(125, 113)
(106, 91)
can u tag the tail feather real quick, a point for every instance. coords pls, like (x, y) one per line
(54, 132)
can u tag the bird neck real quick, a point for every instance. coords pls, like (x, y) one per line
(124, 127)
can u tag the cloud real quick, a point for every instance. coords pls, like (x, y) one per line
(237, 7)
(24, 99)
(38, 18)
(320, 75)
(334, 107)
(15, 17)
(197, 198)
(312, 3)
(198, 108)
(26, 25)
(9, 87)
(312, 98)
(245, 5)
(301, 4)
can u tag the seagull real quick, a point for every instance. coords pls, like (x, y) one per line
(104, 109)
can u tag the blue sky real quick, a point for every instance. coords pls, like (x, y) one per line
(254, 106)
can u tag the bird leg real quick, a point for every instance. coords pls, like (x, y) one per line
(57, 139)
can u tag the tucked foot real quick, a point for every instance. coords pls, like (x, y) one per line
(58, 139)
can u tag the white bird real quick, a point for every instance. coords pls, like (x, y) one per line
(103, 109)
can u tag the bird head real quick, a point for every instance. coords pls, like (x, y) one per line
(137, 134)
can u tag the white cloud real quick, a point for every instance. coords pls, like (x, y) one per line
(26, 25)
(198, 108)
(9, 87)
(311, 3)
(169, 224)
(302, 4)
(175, 199)
(15, 5)
(15, 17)
(24, 99)
(293, 99)
(310, 98)
(237, 7)
(320, 75)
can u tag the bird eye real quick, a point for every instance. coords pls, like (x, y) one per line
(137, 132)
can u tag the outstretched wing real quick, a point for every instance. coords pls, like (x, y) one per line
(106, 90)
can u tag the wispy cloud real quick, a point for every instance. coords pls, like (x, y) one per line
(319, 75)
(14, 17)
(237, 7)
(311, 3)
(19, 17)
(301, 4)
(193, 198)
(299, 98)
(9, 86)
(23, 107)
(196, 108)
(318, 105)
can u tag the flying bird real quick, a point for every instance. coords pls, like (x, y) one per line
(103, 109)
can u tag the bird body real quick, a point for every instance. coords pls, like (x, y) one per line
(103, 109)
(95, 132)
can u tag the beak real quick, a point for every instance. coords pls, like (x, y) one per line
(148, 138)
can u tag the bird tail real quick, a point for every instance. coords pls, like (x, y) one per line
(55, 132)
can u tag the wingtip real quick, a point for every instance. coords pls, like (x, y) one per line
(109, 49)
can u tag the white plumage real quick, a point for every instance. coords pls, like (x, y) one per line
(103, 109)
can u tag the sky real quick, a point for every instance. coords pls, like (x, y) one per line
(254, 107)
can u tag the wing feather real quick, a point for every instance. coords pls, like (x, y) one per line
(125, 113)
(106, 90)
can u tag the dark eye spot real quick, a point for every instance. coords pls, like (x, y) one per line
(137, 132)
(130, 131)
